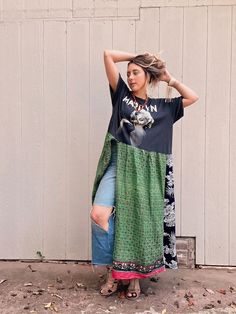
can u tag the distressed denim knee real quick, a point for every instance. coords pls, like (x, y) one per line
(103, 242)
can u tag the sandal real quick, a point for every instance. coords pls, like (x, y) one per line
(110, 285)
(133, 291)
(122, 288)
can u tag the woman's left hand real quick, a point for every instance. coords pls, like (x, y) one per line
(166, 77)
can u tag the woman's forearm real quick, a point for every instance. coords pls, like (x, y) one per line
(186, 92)
(118, 56)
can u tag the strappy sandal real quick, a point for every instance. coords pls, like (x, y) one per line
(110, 286)
(122, 288)
(133, 291)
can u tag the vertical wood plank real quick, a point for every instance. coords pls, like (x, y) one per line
(10, 137)
(217, 136)
(193, 128)
(126, 42)
(78, 140)
(55, 139)
(100, 104)
(232, 215)
(31, 168)
(1, 10)
(171, 38)
(149, 20)
(147, 31)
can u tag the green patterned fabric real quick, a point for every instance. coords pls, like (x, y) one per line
(102, 163)
(140, 185)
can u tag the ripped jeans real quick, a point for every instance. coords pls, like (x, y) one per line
(103, 241)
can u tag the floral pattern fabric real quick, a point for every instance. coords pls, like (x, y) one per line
(169, 238)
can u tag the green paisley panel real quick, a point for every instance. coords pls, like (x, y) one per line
(103, 162)
(140, 184)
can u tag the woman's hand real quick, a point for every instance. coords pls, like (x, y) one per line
(166, 77)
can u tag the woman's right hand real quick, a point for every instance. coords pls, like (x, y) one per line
(111, 57)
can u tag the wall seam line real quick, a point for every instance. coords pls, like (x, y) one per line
(205, 153)
(230, 104)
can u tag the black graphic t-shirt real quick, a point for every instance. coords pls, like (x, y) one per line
(148, 127)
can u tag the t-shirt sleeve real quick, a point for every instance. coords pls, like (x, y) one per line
(177, 109)
(120, 92)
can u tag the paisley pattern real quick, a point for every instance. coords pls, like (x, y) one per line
(145, 214)
(169, 238)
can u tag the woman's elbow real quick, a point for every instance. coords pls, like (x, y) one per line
(195, 98)
(189, 101)
(106, 53)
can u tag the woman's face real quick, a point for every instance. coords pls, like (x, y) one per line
(136, 77)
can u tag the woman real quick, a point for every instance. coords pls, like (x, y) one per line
(133, 222)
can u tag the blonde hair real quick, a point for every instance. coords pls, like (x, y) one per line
(152, 65)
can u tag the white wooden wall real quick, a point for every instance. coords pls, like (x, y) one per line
(55, 107)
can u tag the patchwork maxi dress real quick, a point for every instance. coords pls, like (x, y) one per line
(143, 240)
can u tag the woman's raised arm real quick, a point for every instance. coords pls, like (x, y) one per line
(111, 57)
(189, 96)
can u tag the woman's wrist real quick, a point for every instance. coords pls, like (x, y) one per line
(119, 56)
(172, 82)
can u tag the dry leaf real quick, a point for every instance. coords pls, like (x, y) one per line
(231, 289)
(176, 303)
(30, 267)
(59, 280)
(36, 293)
(81, 285)
(188, 295)
(48, 305)
(54, 308)
(233, 304)
(2, 281)
(57, 296)
(222, 291)
(209, 306)
(51, 306)
(191, 302)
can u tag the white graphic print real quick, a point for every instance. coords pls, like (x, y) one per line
(135, 127)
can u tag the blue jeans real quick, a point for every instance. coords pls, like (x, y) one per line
(103, 241)
(105, 195)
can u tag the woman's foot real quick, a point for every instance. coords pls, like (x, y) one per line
(133, 291)
(122, 288)
(110, 285)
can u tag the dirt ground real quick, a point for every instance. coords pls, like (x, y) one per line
(29, 287)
